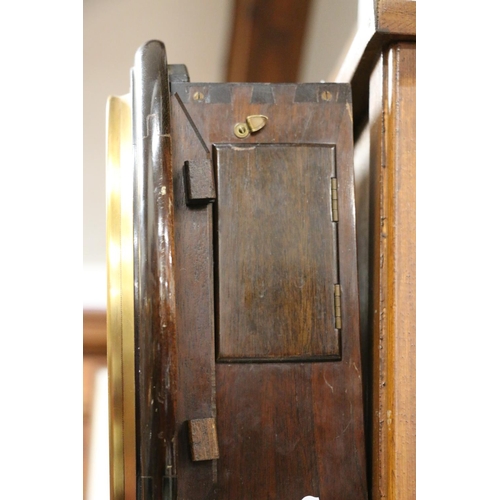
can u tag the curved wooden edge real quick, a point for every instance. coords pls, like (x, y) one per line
(154, 276)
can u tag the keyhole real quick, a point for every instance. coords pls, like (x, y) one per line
(241, 130)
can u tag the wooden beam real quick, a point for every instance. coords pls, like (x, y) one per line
(267, 40)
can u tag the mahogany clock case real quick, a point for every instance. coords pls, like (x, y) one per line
(246, 314)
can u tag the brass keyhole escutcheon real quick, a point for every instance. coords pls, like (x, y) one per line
(241, 130)
(252, 124)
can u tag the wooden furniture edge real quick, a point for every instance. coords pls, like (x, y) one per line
(381, 27)
(396, 17)
(392, 290)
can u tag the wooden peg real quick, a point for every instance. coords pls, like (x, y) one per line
(200, 183)
(203, 439)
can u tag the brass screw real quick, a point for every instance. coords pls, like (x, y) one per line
(198, 96)
(326, 95)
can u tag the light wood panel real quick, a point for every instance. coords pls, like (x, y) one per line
(393, 163)
(396, 16)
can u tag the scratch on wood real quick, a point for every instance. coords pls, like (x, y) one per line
(389, 419)
(326, 381)
(348, 423)
(349, 110)
(356, 368)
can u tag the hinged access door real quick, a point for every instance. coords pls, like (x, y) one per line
(277, 257)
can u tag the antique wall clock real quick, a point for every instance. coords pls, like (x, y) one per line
(233, 317)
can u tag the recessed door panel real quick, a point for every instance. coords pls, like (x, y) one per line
(276, 252)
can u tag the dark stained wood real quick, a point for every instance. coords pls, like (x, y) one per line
(290, 430)
(393, 134)
(154, 276)
(267, 39)
(203, 439)
(200, 184)
(267, 441)
(276, 277)
(196, 395)
(283, 428)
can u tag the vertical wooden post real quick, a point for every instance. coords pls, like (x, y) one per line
(393, 169)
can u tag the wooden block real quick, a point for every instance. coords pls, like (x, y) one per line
(200, 185)
(203, 439)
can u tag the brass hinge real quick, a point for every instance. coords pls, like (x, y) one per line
(335, 200)
(338, 309)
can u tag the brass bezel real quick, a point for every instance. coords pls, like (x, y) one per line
(120, 298)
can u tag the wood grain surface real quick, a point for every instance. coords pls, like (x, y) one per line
(283, 428)
(277, 262)
(203, 439)
(155, 320)
(266, 40)
(200, 183)
(397, 16)
(393, 134)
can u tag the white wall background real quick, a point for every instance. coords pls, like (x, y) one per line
(195, 33)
